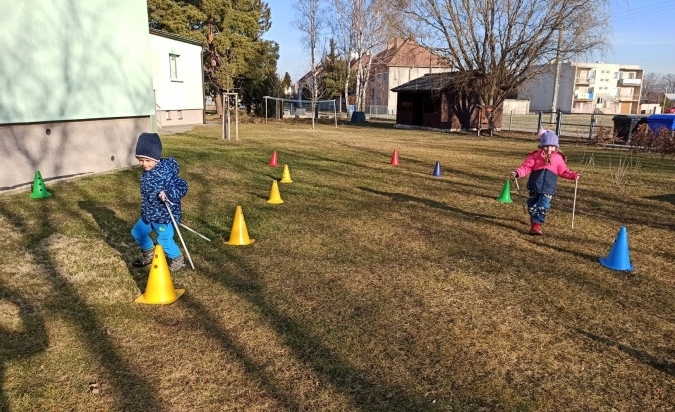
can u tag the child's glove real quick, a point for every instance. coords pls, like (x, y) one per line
(514, 174)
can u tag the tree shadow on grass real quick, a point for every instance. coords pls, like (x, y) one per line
(129, 389)
(401, 197)
(366, 394)
(25, 342)
(116, 233)
(670, 198)
(643, 357)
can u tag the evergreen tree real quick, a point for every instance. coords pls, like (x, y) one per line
(334, 70)
(235, 55)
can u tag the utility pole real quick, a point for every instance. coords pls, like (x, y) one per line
(556, 78)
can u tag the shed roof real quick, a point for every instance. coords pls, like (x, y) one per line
(428, 82)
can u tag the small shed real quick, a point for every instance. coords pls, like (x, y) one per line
(432, 101)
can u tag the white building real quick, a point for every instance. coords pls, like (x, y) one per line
(177, 79)
(77, 87)
(586, 88)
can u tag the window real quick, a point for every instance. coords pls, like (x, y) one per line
(168, 115)
(173, 66)
(616, 75)
(180, 114)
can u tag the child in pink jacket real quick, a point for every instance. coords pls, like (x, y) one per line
(544, 166)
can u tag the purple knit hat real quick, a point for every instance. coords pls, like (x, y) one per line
(548, 138)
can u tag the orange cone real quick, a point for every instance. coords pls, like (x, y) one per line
(275, 197)
(394, 158)
(239, 234)
(273, 159)
(159, 289)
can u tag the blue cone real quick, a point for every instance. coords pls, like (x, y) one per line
(619, 257)
(437, 170)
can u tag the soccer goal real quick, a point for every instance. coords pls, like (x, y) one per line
(278, 107)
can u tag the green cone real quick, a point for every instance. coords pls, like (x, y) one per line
(505, 197)
(39, 189)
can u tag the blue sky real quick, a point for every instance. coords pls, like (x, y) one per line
(643, 34)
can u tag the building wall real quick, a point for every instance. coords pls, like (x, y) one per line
(81, 70)
(539, 90)
(63, 149)
(582, 84)
(401, 75)
(182, 91)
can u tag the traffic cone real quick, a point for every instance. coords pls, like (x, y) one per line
(273, 159)
(39, 189)
(619, 257)
(239, 234)
(275, 197)
(505, 197)
(159, 289)
(286, 176)
(394, 158)
(437, 170)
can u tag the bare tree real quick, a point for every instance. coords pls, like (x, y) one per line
(651, 87)
(361, 28)
(341, 29)
(497, 45)
(309, 20)
(668, 83)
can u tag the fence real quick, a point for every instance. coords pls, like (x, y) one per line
(579, 125)
(381, 111)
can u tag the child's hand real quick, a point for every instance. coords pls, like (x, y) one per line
(162, 196)
(514, 174)
(576, 178)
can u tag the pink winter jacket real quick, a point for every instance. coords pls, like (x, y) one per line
(544, 177)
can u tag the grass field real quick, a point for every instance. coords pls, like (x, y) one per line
(371, 288)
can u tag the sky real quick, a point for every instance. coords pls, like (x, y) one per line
(642, 34)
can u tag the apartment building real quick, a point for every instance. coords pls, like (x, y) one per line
(586, 88)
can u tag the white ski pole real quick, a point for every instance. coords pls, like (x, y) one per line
(515, 179)
(179, 235)
(195, 232)
(186, 227)
(574, 204)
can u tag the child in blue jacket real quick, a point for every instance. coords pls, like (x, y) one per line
(160, 186)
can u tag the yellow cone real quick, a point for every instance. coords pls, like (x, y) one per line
(159, 289)
(286, 176)
(239, 234)
(275, 197)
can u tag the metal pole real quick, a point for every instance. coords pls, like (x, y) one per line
(236, 116)
(510, 120)
(195, 232)
(590, 129)
(558, 123)
(539, 122)
(179, 235)
(515, 179)
(222, 115)
(574, 204)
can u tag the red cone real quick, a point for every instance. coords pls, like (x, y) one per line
(394, 158)
(273, 160)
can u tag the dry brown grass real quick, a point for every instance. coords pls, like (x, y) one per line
(372, 288)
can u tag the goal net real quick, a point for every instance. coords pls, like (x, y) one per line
(279, 107)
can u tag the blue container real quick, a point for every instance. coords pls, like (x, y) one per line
(657, 121)
(360, 117)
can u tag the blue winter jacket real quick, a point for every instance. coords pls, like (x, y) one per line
(163, 177)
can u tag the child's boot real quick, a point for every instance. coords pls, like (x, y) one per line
(177, 264)
(535, 229)
(145, 259)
